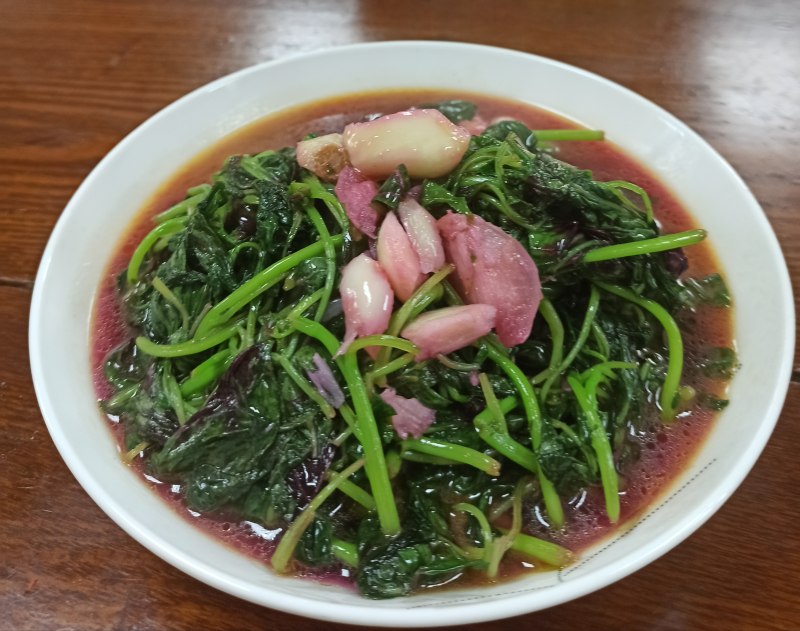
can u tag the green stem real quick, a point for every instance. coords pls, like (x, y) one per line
(583, 334)
(249, 337)
(600, 443)
(357, 494)
(304, 385)
(494, 432)
(415, 456)
(456, 365)
(330, 255)
(615, 185)
(502, 205)
(545, 551)
(531, 406)
(392, 366)
(258, 284)
(121, 397)
(493, 416)
(132, 453)
(318, 332)
(394, 463)
(492, 403)
(316, 190)
(285, 549)
(373, 449)
(345, 551)
(340, 439)
(190, 347)
(349, 417)
(502, 544)
(173, 300)
(601, 340)
(166, 229)
(526, 392)
(206, 373)
(172, 393)
(672, 380)
(477, 513)
(606, 369)
(283, 327)
(185, 207)
(245, 245)
(451, 296)
(550, 316)
(384, 340)
(420, 299)
(579, 443)
(486, 530)
(365, 428)
(645, 246)
(456, 453)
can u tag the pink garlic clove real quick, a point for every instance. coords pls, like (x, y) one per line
(398, 258)
(367, 299)
(356, 193)
(423, 234)
(449, 329)
(324, 156)
(493, 268)
(424, 140)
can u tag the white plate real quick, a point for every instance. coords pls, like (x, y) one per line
(100, 211)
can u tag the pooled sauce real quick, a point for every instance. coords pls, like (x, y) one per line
(663, 453)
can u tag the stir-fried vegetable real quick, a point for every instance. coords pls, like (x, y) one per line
(402, 341)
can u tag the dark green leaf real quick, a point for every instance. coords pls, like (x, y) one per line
(315, 546)
(394, 188)
(719, 363)
(710, 290)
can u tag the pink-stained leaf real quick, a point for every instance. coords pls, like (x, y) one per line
(473, 378)
(367, 299)
(421, 229)
(475, 126)
(398, 258)
(356, 191)
(424, 140)
(449, 329)
(411, 418)
(325, 382)
(324, 156)
(493, 268)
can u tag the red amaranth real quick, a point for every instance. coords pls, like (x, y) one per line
(663, 453)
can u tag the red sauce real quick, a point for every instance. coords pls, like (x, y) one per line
(664, 452)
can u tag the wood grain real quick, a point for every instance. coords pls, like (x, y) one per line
(77, 75)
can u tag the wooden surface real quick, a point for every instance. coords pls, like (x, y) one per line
(76, 76)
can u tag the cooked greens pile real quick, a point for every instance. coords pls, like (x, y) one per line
(233, 306)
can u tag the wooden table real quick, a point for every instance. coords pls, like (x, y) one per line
(77, 75)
